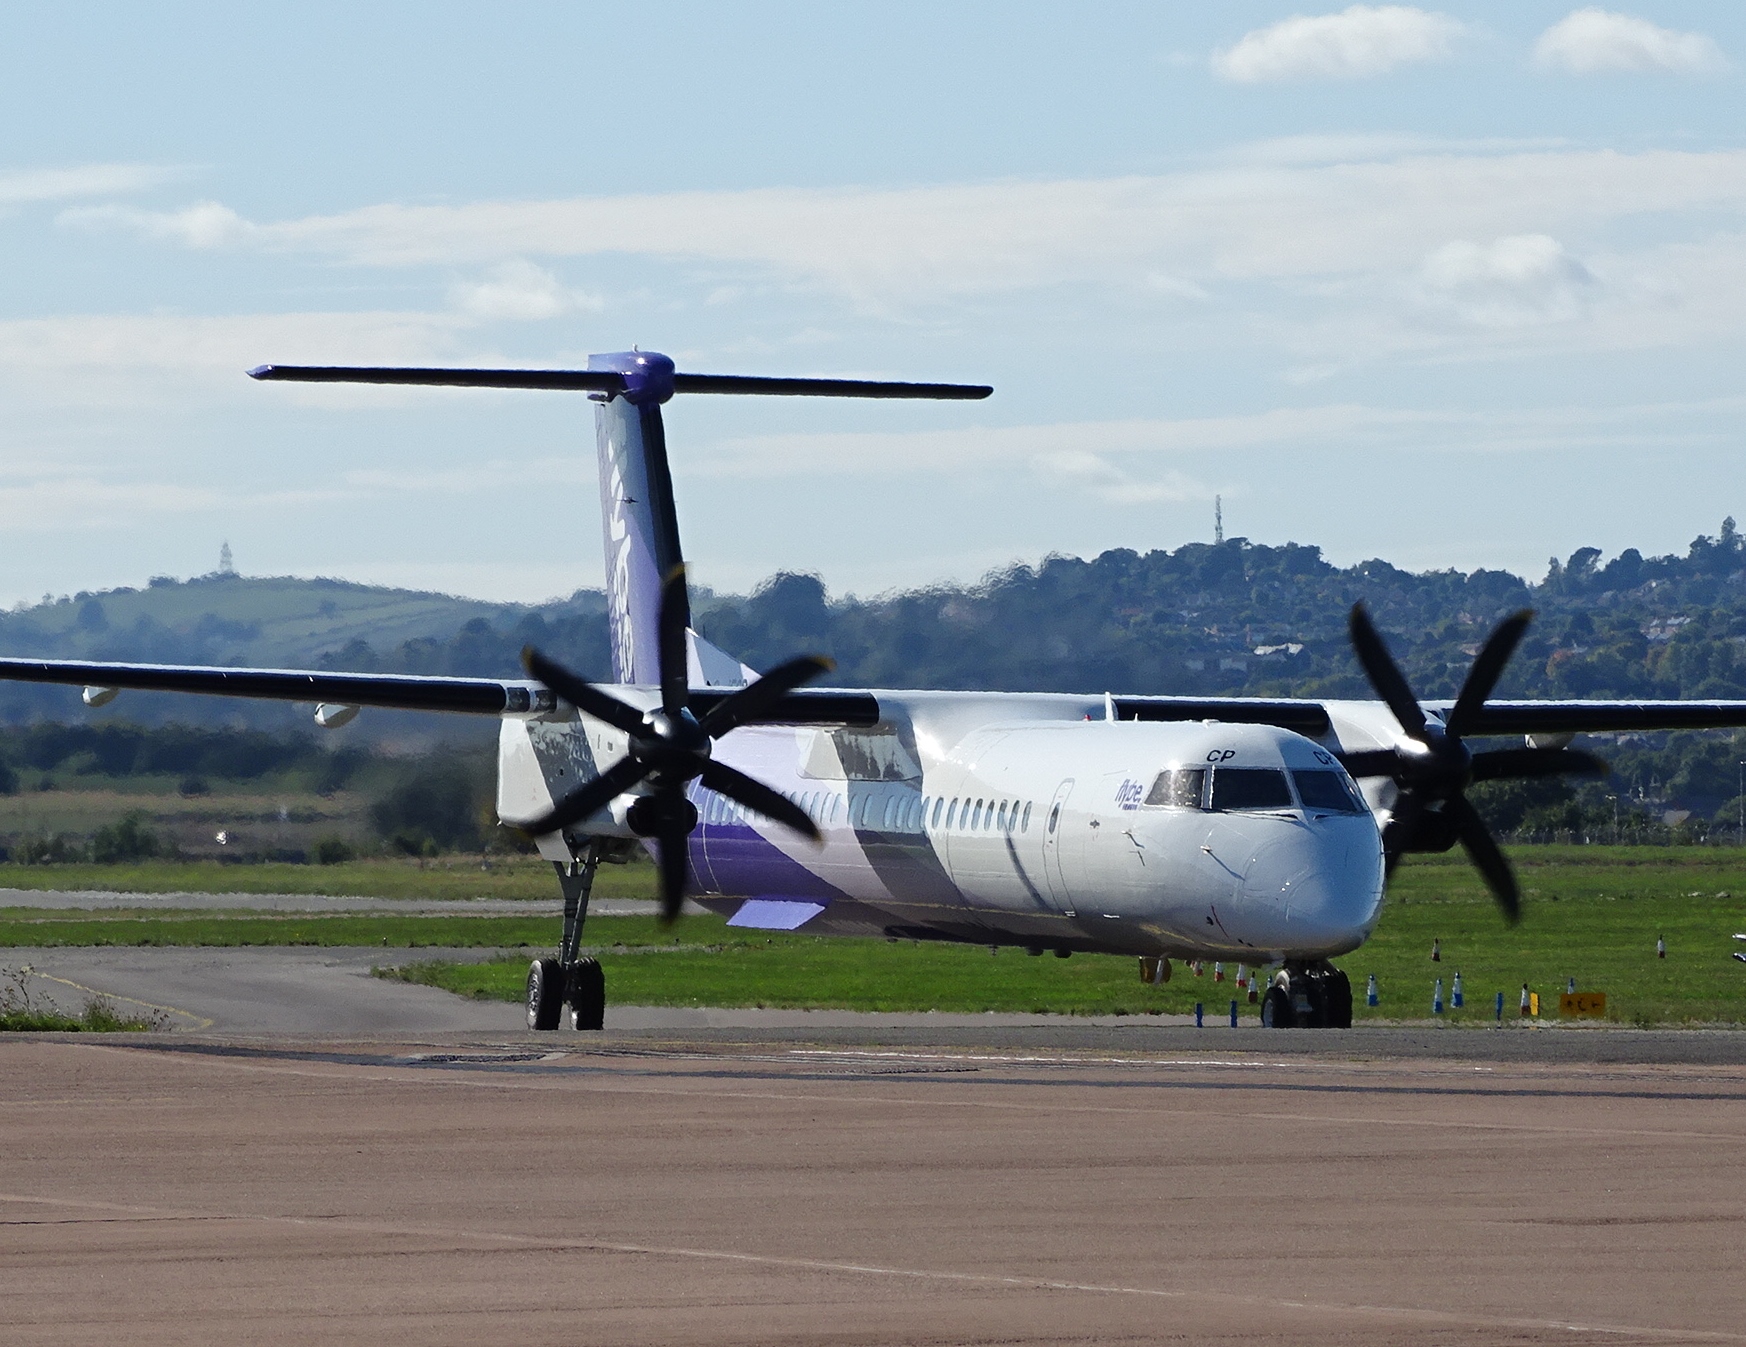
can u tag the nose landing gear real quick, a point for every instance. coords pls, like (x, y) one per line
(569, 988)
(1308, 996)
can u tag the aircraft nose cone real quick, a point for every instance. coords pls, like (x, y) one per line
(1323, 889)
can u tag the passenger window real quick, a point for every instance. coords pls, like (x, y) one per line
(939, 804)
(976, 817)
(1179, 789)
(1025, 823)
(1003, 815)
(1054, 817)
(1250, 788)
(1328, 791)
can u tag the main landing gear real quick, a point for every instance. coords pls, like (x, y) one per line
(1308, 996)
(569, 986)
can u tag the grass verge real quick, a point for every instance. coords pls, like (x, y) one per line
(459, 877)
(20, 1012)
(1591, 913)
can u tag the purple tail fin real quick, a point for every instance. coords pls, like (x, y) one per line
(638, 521)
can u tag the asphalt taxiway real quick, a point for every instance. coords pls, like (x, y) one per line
(659, 1189)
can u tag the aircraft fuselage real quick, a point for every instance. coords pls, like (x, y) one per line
(1015, 819)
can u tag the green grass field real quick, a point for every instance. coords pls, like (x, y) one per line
(1592, 913)
(519, 877)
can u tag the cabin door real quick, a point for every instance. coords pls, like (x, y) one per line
(1054, 825)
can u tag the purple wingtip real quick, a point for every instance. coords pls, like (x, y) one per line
(260, 371)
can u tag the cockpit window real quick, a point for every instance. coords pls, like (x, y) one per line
(1250, 788)
(1331, 792)
(1178, 789)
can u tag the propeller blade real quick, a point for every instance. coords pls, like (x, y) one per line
(758, 797)
(1483, 851)
(589, 798)
(761, 696)
(1502, 764)
(1370, 762)
(1384, 674)
(675, 617)
(583, 696)
(1488, 667)
(674, 837)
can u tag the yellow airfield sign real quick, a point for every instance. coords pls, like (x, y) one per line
(1583, 1005)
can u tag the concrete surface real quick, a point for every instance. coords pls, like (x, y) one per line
(320, 990)
(460, 1188)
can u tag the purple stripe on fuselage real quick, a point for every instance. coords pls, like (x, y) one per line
(740, 860)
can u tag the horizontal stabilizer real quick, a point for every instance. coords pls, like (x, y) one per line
(825, 388)
(594, 381)
(611, 382)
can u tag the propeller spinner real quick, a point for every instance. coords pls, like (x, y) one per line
(1434, 767)
(669, 747)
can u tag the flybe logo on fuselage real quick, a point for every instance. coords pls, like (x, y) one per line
(1129, 794)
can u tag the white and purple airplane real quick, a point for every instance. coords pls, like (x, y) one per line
(1185, 828)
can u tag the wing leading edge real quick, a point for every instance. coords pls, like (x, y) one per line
(401, 692)
(1311, 718)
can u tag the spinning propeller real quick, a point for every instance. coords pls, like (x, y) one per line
(1433, 768)
(669, 747)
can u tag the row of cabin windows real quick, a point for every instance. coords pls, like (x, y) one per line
(1221, 788)
(890, 813)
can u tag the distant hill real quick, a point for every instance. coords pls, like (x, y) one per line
(1233, 617)
(277, 621)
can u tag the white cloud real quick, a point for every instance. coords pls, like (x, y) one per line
(519, 291)
(895, 246)
(149, 359)
(1311, 257)
(205, 224)
(60, 502)
(1357, 42)
(1597, 41)
(1523, 279)
(28, 186)
(1080, 449)
(1102, 479)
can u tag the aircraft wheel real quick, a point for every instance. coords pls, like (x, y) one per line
(1338, 993)
(587, 995)
(545, 993)
(1276, 1011)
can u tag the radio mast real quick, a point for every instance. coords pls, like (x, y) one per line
(1218, 519)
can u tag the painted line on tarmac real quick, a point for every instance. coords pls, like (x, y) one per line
(542, 1076)
(517, 1064)
(196, 1021)
(531, 1243)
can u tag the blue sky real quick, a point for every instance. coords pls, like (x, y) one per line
(1456, 287)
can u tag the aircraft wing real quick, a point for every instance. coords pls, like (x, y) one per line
(404, 692)
(1599, 717)
(1311, 718)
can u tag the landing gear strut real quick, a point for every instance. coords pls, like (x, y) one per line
(569, 986)
(1308, 996)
